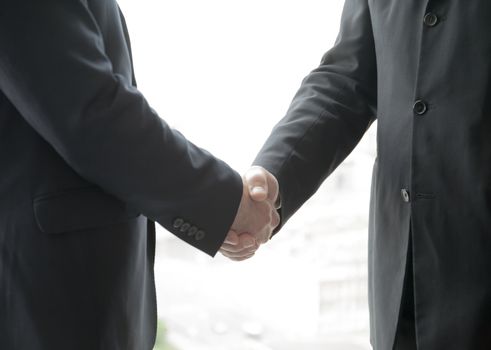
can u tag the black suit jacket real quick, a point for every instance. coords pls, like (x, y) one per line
(84, 162)
(423, 70)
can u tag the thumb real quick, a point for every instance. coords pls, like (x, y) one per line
(257, 183)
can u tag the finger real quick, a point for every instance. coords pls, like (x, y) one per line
(240, 242)
(257, 182)
(243, 258)
(237, 255)
(266, 235)
(276, 220)
(246, 240)
(232, 238)
(273, 187)
(237, 249)
(231, 248)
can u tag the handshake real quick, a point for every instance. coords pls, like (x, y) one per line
(256, 217)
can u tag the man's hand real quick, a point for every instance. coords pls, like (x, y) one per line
(257, 216)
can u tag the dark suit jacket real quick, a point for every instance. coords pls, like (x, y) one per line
(433, 169)
(84, 162)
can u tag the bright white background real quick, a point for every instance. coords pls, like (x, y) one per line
(223, 73)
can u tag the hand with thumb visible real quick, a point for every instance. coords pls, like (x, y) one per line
(256, 217)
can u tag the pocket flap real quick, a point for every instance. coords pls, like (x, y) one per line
(79, 209)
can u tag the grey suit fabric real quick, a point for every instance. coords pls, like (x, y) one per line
(87, 167)
(422, 70)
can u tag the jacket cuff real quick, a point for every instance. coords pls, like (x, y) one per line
(206, 227)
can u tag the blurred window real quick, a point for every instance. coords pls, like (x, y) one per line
(223, 72)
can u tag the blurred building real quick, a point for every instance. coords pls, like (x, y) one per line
(306, 289)
(223, 72)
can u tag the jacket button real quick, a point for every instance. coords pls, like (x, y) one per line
(420, 107)
(405, 195)
(178, 222)
(200, 235)
(192, 231)
(430, 19)
(185, 227)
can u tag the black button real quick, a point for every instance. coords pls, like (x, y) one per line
(200, 235)
(420, 107)
(431, 19)
(405, 195)
(192, 231)
(185, 227)
(178, 222)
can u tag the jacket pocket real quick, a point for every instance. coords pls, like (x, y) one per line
(79, 209)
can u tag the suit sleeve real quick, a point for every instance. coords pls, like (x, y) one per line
(331, 111)
(54, 69)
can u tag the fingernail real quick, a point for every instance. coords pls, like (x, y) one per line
(258, 189)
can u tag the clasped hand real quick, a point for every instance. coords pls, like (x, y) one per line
(256, 217)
